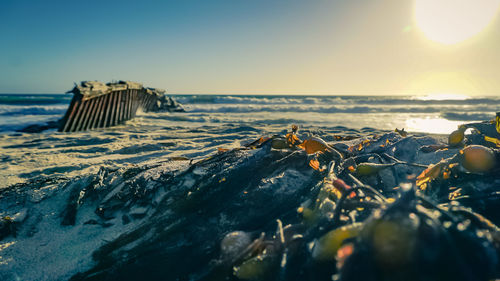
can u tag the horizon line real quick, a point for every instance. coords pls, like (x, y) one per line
(281, 94)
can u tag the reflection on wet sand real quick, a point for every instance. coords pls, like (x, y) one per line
(433, 125)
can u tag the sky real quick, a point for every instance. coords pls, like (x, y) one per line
(313, 47)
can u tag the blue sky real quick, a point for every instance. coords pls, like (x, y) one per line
(238, 47)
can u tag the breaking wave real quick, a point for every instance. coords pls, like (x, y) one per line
(328, 100)
(18, 110)
(8, 110)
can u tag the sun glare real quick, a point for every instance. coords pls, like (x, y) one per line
(443, 96)
(453, 21)
(433, 125)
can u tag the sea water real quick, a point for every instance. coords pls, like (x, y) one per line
(414, 113)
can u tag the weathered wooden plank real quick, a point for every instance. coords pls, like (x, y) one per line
(152, 101)
(98, 114)
(70, 113)
(124, 112)
(85, 115)
(129, 104)
(148, 102)
(90, 114)
(77, 118)
(64, 121)
(119, 108)
(107, 109)
(112, 117)
(147, 99)
(102, 112)
(96, 104)
(135, 103)
(122, 106)
(95, 113)
(142, 101)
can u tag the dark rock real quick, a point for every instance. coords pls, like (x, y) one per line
(8, 227)
(125, 219)
(38, 128)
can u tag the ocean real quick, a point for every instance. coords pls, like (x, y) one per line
(429, 114)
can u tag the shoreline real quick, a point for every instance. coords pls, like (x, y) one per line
(32, 155)
(140, 211)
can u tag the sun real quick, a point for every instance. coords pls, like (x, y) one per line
(453, 21)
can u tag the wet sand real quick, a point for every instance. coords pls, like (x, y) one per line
(27, 156)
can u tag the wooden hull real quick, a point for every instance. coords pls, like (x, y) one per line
(90, 108)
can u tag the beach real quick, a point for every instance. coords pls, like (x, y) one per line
(210, 122)
(250, 140)
(155, 197)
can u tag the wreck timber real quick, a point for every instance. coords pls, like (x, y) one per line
(98, 105)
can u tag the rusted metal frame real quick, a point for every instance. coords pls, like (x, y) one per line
(76, 120)
(90, 114)
(69, 117)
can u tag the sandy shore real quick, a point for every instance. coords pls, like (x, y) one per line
(27, 156)
(148, 201)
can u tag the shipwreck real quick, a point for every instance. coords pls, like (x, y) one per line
(99, 105)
